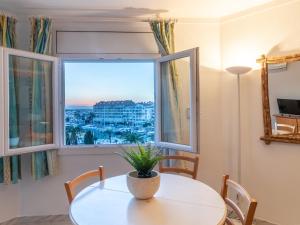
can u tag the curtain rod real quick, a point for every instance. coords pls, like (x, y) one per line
(161, 19)
(6, 13)
(111, 19)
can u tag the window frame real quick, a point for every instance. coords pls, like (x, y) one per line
(68, 148)
(4, 112)
(58, 100)
(193, 54)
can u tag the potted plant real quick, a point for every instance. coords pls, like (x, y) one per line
(143, 182)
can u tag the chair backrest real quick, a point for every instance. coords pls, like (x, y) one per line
(286, 127)
(193, 172)
(247, 217)
(70, 186)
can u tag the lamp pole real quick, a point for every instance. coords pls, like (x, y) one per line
(239, 70)
(239, 154)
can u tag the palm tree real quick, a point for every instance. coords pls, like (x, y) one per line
(90, 118)
(72, 135)
(88, 138)
(109, 132)
(73, 138)
(132, 137)
(68, 139)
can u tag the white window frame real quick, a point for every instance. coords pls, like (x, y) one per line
(194, 72)
(79, 59)
(4, 98)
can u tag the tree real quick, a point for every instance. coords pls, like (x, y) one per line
(90, 118)
(109, 132)
(68, 139)
(132, 137)
(72, 135)
(88, 138)
(147, 124)
(77, 115)
(73, 138)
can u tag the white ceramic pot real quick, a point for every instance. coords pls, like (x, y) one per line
(13, 142)
(143, 188)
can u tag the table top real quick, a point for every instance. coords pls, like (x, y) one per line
(179, 200)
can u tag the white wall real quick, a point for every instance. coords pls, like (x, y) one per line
(269, 172)
(9, 201)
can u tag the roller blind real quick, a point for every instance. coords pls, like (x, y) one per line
(105, 42)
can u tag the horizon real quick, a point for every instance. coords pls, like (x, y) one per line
(87, 106)
(124, 78)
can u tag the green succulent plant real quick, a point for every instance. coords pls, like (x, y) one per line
(143, 160)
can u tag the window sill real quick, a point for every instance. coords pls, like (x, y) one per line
(93, 150)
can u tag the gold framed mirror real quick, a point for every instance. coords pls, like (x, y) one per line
(280, 76)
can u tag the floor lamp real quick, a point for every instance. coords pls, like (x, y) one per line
(239, 70)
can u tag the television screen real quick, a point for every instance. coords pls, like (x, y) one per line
(289, 106)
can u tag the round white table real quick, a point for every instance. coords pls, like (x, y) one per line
(179, 201)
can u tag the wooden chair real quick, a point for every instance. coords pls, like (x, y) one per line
(70, 186)
(247, 218)
(194, 160)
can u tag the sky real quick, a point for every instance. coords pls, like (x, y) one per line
(87, 83)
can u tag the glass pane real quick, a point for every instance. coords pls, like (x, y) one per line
(109, 102)
(175, 101)
(284, 97)
(30, 102)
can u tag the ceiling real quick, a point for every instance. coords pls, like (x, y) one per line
(133, 8)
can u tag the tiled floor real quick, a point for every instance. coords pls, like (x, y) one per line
(40, 220)
(64, 220)
(257, 222)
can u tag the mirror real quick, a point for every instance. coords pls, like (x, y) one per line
(281, 98)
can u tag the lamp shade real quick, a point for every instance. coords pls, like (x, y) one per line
(238, 69)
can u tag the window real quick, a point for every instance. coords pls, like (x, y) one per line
(105, 102)
(176, 100)
(29, 98)
(108, 102)
(112, 102)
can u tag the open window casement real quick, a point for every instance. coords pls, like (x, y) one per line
(176, 101)
(28, 102)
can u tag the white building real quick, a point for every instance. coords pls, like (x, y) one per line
(123, 112)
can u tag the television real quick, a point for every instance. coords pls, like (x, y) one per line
(289, 106)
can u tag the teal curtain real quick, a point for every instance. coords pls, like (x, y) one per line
(10, 167)
(163, 32)
(43, 163)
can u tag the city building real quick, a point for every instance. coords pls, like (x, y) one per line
(123, 112)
